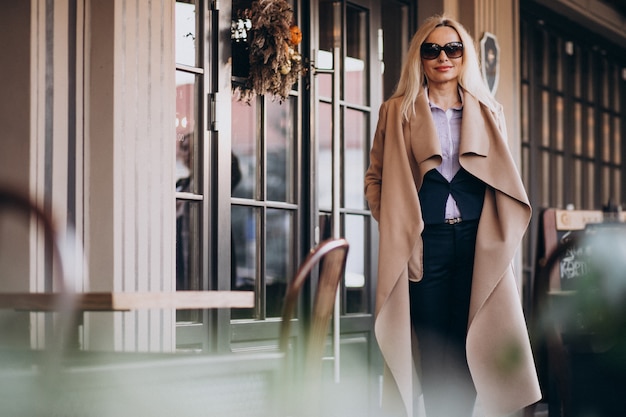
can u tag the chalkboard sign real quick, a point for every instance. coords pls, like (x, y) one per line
(556, 226)
(572, 265)
(560, 226)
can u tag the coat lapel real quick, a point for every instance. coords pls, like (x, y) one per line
(472, 123)
(424, 141)
(484, 150)
(504, 384)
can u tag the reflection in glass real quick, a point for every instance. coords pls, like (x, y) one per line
(543, 46)
(545, 118)
(606, 137)
(186, 152)
(578, 183)
(605, 80)
(578, 129)
(606, 185)
(280, 139)
(325, 156)
(578, 71)
(186, 175)
(356, 87)
(590, 186)
(325, 54)
(591, 75)
(617, 96)
(280, 259)
(186, 39)
(591, 133)
(244, 253)
(617, 142)
(356, 291)
(354, 158)
(545, 180)
(187, 244)
(187, 170)
(557, 62)
(617, 185)
(244, 147)
(559, 192)
(559, 116)
(325, 80)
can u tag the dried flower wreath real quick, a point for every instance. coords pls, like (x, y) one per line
(275, 63)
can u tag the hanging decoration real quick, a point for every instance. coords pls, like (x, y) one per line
(272, 44)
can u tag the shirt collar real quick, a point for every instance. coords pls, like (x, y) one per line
(434, 106)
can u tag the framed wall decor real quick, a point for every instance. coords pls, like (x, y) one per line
(490, 60)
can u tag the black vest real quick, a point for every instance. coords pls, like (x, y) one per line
(467, 190)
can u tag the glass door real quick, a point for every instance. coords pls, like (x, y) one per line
(347, 88)
(265, 201)
(190, 145)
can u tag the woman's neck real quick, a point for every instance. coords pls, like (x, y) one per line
(444, 96)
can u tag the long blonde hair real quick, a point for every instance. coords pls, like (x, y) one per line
(413, 79)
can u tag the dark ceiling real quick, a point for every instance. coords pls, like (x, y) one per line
(619, 5)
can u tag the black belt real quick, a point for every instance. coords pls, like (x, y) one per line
(455, 220)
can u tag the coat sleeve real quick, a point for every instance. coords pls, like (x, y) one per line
(373, 176)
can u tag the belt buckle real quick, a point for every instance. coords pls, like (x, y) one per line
(454, 220)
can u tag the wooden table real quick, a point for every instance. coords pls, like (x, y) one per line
(76, 304)
(126, 301)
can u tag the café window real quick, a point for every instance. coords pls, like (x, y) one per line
(354, 112)
(572, 116)
(189, 148)
(264, 178)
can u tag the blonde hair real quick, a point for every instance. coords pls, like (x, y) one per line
(413, 79)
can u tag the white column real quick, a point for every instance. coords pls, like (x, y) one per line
(129, 197)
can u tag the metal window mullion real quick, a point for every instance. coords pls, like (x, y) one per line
(336, 169)
(598, 136)
(260, 289)
(190, 69)
(213, 339)
(262, 213)
(238, 201)
(201, 151)
(186, 196)
(568, 123)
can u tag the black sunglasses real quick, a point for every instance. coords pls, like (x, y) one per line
(432, 50)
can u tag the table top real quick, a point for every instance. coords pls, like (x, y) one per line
(126, 301)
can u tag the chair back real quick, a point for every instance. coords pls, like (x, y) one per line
(331, 256)
(15, 202)
(582, 322)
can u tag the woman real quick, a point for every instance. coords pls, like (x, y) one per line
(452, 211)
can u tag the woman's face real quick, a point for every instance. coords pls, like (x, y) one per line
(442, 69)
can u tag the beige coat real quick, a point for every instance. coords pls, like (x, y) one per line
(498, 348)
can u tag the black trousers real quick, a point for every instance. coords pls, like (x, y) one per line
(439, 314)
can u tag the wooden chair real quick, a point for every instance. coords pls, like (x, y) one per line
(19, 204)
(585, 337)
(331, 256)
(558, 378)
(60, 379)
